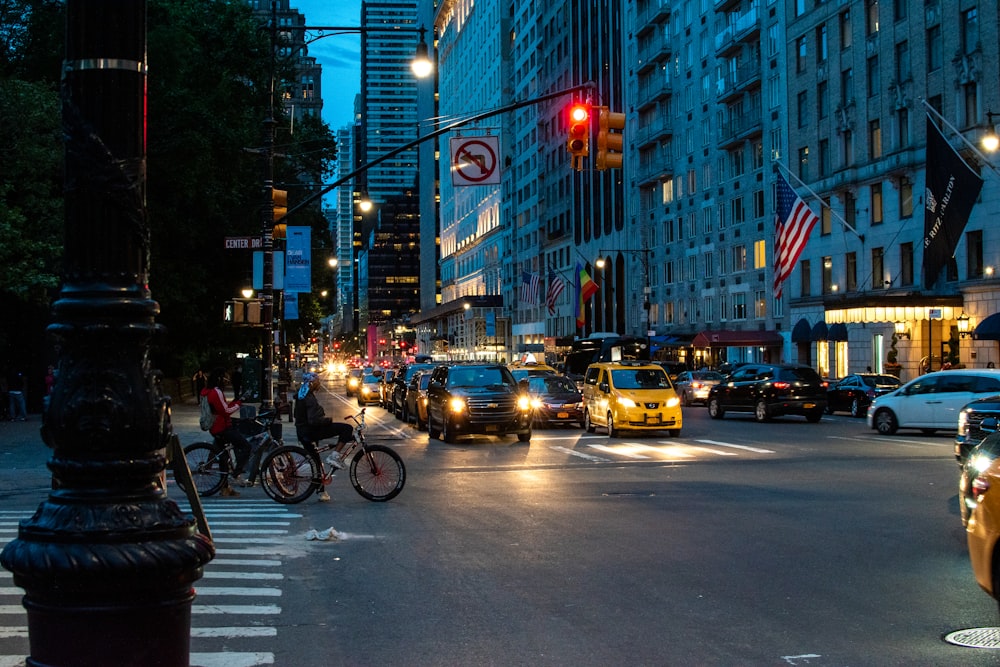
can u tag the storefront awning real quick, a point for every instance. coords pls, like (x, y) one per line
(801, 331)
(838, 332)
(737, 339)
(819, 331)
(988, 329)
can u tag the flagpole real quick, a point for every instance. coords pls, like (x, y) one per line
(961, 136)
(822, 203)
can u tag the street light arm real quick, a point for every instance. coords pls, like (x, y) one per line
(590, 85)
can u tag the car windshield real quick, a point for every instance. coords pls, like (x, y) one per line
(551, 384)
(881, 380)
(371, 379)
(646, 378)
(476, 377)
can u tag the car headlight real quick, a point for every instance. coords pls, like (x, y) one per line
(353, 382)
(963, 422)
(366, 390)
(536, 403)
(457, 405)
(980, 463)
(626, 402)
(673, 402)
(524, 403)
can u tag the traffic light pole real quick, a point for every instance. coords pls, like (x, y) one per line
(590, 85)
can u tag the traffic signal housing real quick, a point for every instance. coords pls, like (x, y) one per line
(610, 140)
(578, 142)
(279, 198)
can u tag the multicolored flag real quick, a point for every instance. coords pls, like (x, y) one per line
(585, 288)
(793, 221)
(952, 190)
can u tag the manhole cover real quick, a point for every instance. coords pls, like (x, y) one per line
(975, 637)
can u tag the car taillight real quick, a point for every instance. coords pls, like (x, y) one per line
(696, 385)
(980, 486)
(782, 385)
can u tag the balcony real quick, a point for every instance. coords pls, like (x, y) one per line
(653, 90)
(651, 13)
(741, 28)
(740, 128)
(735, 83)
(652, 133)
(651, 51)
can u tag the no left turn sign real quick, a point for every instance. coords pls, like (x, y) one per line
(474, 160)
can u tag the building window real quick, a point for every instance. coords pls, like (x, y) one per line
(824, 157)
(758, 204)
(935, 50)
(739, 306)
(804, 278)
(903, 61)
(877, 217)
(851, 272)
(760, 254)
(738, 210)
(970, 30)
(873, 77)
(822, 98)
(800, 7)
(739, 258)
(803, 112)
(846, 39)
(760, 304)
(846, 87)
(804, 163)
(875, 139)
(827, 273)
(708, 309)
(821, 48)
(974, 254)
(899, 9)
(871, 17)
(879, 279)
(847, 147)
(970, 95)
(906, 263)
(905, 197)
(850, 208)
(825, 218)
(902, 128)
(800, 55)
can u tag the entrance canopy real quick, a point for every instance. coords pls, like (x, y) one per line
(738, 339)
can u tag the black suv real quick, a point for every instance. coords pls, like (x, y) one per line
(770, 390)
(465, 399)
(969, 433)
(400, 381)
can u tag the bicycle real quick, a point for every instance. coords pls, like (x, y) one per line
(292, 473)
(211, 463)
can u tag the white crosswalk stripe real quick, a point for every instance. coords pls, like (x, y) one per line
(236, 598)
(656, 450)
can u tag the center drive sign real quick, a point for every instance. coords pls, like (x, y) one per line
(298, 259)
(474, 160)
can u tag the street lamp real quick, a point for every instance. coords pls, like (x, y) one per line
(963, 326)
(643, 254)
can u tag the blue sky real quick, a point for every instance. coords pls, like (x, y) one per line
(340, 55)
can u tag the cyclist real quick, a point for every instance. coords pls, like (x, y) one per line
(312, 424)
(223, 427)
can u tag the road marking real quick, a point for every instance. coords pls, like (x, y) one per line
(232, 590)
(233, 632)
(729, 444)
(243, 575)
(14, 632)
(589, 457)
(249, 551)
(246, 561)
(243, 609)
(11, 609)
(624, 449)
(226, 659)
(11, 661)
(718, 452)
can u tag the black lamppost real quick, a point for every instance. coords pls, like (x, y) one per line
(107, 562)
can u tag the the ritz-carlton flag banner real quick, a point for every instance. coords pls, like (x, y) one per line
(475, 160)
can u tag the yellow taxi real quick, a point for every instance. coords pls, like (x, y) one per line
(983, 527)
(630, 396)
(529, 366)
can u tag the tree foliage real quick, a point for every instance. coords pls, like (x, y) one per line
(208, 96)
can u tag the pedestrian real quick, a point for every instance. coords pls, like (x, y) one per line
(238, 382)
(223, 427)
(199, 382)
(15, 391)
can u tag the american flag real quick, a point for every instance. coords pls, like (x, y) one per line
(556, 286)
(794, 221)
(529, 287)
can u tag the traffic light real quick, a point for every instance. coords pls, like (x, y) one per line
(610, 126)
(280, 200)
(578, 143)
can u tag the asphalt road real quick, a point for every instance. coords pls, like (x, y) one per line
(737, 543)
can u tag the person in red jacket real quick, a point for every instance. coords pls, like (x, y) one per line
(223, 427)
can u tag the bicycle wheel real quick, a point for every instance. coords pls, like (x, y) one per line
(205, 461)
(290, 474)
(377, 473)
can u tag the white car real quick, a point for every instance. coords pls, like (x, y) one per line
(932, 401)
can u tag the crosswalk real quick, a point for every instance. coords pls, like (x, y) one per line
(604, 450)
(236, 612)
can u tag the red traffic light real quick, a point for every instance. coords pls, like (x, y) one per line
(578, 141)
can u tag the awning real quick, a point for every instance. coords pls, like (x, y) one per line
(800, 333)
(738, 339)
(819, 331)
(838, 332)
(657, 342)
(988, 329)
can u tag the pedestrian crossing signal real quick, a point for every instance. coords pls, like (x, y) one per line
(578, 141)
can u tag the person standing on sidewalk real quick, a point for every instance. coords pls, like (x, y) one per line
(18, 405)
(223, 426)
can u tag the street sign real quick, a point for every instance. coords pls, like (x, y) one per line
(244, 243)
(474, 160)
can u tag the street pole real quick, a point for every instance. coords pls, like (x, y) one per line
(107, 562)
(267, 228)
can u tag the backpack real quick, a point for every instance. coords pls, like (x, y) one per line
(206, 418)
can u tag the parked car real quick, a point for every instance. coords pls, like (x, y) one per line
(982, 529)
(400, 382)
(970, 419)
(416, 400)
(933, 401)
(555, 400)
(354, 377)
(630, 395)
(693, 386)
(367, 392)
(854, 393)
(770, 390)
(464, 399)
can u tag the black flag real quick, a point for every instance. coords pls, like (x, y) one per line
(952, 189)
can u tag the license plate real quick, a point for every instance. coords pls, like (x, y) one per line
(809, 406)
(492, 427)
(653, 420)
(562, 415)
